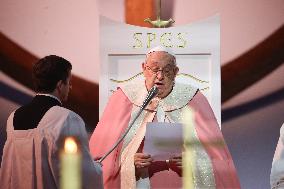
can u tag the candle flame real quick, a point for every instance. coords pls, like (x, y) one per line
(70, 145)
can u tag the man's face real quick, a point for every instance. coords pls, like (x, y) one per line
(65, 87)
(160, 70)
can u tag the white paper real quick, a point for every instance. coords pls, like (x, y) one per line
(163, 140)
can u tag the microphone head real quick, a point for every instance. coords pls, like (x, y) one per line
(154, 90)
(151, 94)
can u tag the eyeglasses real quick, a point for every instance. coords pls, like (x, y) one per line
(167, 71)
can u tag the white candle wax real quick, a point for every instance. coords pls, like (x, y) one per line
(70, 160)
(188, 156)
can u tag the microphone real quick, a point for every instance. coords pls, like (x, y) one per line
(151, 94)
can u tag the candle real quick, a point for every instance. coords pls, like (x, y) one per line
(188, 158)
(70, 160)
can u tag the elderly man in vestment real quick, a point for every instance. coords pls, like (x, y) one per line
(128, 166)
(277, 170)
(36, 131)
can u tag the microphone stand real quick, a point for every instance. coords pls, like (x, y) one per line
(152, 93)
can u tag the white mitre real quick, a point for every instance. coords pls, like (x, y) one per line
(160, 48)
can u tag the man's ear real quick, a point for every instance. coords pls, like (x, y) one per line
(59, 85)
(143, 65)
(176, 70)
(143, 68)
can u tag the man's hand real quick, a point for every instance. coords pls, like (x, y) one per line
(142, 160)
(176, 161)
(175, 164)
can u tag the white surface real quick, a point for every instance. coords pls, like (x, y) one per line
(197, 52)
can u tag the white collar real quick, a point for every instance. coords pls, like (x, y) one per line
(50, 95)
(179, 97)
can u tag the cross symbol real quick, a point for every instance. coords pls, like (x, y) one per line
(158, 22)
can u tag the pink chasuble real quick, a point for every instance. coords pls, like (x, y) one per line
(113, 123)
(207, 129)
(215, 169)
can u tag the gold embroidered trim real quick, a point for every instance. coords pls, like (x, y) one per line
(179, 74)
(203, 174)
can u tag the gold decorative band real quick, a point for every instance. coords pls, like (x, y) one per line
(204, 89)
(192, 77)
(180, 74)
(129, 79)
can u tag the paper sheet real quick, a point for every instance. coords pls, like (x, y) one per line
(163, 140)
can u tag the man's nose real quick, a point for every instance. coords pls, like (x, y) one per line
(160, 75)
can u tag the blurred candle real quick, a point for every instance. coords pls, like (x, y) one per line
(188, 156)
(70, 160)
